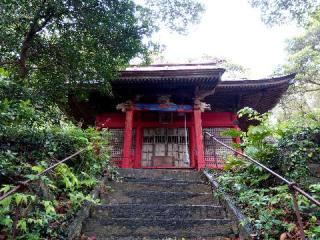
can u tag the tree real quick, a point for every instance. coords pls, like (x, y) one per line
(282, 11)
(303, 51)
(59, 46)
(304, 58)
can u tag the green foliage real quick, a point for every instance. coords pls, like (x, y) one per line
(304, 57)
(33, 136)
(175, 14)
(288, 148)
(299, 150)
(60, 47)
(281, 11)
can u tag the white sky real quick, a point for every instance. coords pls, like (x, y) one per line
(231, 29)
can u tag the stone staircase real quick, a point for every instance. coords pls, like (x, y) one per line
(159, 204)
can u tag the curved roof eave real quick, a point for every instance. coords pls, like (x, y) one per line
(258, 83)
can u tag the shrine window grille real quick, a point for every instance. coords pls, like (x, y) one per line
(214, 153)
(116, 143)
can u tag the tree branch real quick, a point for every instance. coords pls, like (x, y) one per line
(35, 27)
(313, 82)
(11, 62)
(312, 90)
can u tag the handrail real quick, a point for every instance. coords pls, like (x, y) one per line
(292, 185)
(24, 183)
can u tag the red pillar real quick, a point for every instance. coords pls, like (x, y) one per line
(199, 138)
(127, 141)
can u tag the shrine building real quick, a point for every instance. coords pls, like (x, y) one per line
(157, 115)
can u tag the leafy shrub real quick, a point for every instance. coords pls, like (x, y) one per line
(34, 136)
(288, 148)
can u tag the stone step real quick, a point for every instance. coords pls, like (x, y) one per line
(158, 211)
(157, 197)
(193, 236)
(159, 204)
(137, 227)
(161, 174)
(163, 185)
(155, 180)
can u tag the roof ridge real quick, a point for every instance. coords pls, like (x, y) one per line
(176, 64)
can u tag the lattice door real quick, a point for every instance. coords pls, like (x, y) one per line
(164, 147)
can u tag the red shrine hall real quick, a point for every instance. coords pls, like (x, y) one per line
(157, 115)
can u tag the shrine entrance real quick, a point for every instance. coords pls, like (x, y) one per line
(165, 148)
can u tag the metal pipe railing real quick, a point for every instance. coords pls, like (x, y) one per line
(292, 185)
(25, 183)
